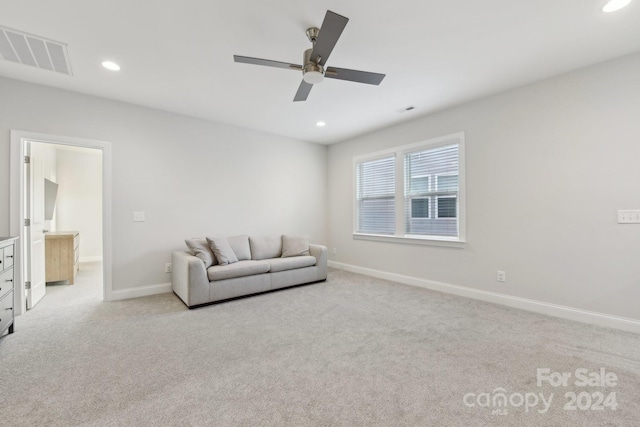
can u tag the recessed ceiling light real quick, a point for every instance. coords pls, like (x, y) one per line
(614, 5)
(321, 124)
(110, 65)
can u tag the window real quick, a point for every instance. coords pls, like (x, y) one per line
(420, 184)
(420, 207)
(447, 207)
(412, 192)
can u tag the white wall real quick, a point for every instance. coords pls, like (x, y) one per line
(191, 177)
(548, 165)
(79, 201)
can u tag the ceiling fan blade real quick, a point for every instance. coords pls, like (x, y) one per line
(330, 32)
(354, 75)
(265, 62)
(303, 92)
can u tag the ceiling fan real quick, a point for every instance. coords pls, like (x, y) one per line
(313, 70)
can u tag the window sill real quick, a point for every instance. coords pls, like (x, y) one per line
(413, 240)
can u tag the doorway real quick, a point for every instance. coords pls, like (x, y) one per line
(81, 200)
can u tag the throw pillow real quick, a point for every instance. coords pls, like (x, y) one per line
(294, 246)
(221, 249)
(200, 248)
(240, 246)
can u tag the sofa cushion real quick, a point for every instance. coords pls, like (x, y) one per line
(200, 248)
(294, 245)
(240, 246)
(237, 269)
(265, 247)
(290, 263)
(222, 250)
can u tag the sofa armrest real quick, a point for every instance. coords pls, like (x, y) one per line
(320, 252)
(189, 278)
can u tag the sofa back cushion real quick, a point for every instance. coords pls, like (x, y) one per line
(265, 247)
(240, 245)
(200, 248)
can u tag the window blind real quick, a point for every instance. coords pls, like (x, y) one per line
(375, 200)
(431, 191)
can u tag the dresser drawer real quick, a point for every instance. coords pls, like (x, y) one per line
(7, 257)
(6, 282)
(6, 311)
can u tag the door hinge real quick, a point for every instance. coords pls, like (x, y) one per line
(27, 285)
(27, 159)
(27, 222)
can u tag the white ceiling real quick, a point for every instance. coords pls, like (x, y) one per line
(178, 55)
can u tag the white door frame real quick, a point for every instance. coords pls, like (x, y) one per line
(17, 213)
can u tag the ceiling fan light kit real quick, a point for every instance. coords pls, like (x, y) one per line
(312, 72)
(313, 69)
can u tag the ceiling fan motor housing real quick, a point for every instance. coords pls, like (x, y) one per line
(312, 72)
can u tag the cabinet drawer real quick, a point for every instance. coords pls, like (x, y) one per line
(6, 311)
(6, 282)
(7, 257)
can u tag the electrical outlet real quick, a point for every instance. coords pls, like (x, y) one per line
(138, 217)
(502, 276)
(168, 268)
(629, 217)
(335, 251)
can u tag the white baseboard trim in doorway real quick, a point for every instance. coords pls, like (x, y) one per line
(144, 291)
(90, 259)
(570, 313)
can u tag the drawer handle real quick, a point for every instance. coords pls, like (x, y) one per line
(9, 256)
(9, 280)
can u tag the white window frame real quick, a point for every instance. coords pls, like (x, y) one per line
(399, 152)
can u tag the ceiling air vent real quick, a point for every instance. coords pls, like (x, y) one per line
(36, 51)
(405, 109)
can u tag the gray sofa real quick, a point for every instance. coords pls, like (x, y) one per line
(222, 268)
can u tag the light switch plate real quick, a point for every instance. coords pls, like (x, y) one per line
(629, 217)
(138, 217)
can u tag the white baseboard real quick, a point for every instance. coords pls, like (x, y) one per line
(90, 258)
(576, 314)
(144, 291)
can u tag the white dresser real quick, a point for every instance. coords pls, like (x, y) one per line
(7, 251)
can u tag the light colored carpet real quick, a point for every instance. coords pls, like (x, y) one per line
(353, 351)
